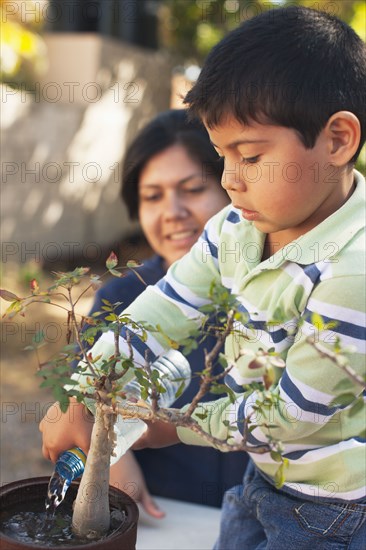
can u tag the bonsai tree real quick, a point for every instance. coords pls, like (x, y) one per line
(105, 380)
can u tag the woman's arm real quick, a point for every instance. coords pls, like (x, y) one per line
(127, 476)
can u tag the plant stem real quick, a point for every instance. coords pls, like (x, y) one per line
(338, 360)
(207, 378)
(77, 335)
(176, 417)
(91, 516)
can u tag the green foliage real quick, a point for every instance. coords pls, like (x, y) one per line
(280, 476)
(56, 372)
(190, 28)
(23, 52)
(219, 389)
(70, 279)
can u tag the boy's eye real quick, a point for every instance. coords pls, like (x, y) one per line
(250, 160)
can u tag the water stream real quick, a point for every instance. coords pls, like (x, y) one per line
(56, 492)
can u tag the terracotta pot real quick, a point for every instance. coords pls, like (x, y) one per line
(26, 493)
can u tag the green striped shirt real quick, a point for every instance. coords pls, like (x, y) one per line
(321, 272)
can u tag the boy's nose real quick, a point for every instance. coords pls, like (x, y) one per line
(231, 179)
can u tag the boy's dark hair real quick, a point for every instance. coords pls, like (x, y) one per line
(169, 128)
(293, 66)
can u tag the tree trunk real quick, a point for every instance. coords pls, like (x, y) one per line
(91, 516)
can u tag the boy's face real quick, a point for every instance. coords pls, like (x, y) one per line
(279, 185)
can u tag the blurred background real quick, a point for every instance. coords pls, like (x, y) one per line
(78, 79)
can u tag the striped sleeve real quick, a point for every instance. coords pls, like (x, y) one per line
(309, 382)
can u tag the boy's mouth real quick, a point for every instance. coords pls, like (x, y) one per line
(246, 213)
(249, 214)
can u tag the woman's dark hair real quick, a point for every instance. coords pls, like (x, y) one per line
(168, 128)
(294, 67)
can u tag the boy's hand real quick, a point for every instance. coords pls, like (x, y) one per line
(62, 431)
(158, 434)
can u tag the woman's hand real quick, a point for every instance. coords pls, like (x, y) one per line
(127, 476)
(62, 431)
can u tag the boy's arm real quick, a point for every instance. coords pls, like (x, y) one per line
(308, 383)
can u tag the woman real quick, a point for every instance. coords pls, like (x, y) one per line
(171, 183)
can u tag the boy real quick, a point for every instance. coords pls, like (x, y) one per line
(282, 99)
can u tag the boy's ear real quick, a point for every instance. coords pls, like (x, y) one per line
(343, 131)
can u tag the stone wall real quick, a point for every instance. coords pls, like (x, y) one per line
(62, 147)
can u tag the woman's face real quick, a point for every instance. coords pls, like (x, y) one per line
(176, 198)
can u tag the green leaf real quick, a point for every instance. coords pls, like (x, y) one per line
(209, 308)
(62, 397)
(180, 390)
(317, 321)
(331, 325)
(276, 456)
(117, 273)
(279, 477)
(189, 347)
(358, 406)
(133, 263)
(112, 261)
(111, 317)
(219, 388)
(362, 434)
(201, 416)
(155, 376)
(8, 296)
(64, 403)
(67, 381)
(127, 364)
(343, 399)
(222, 360)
